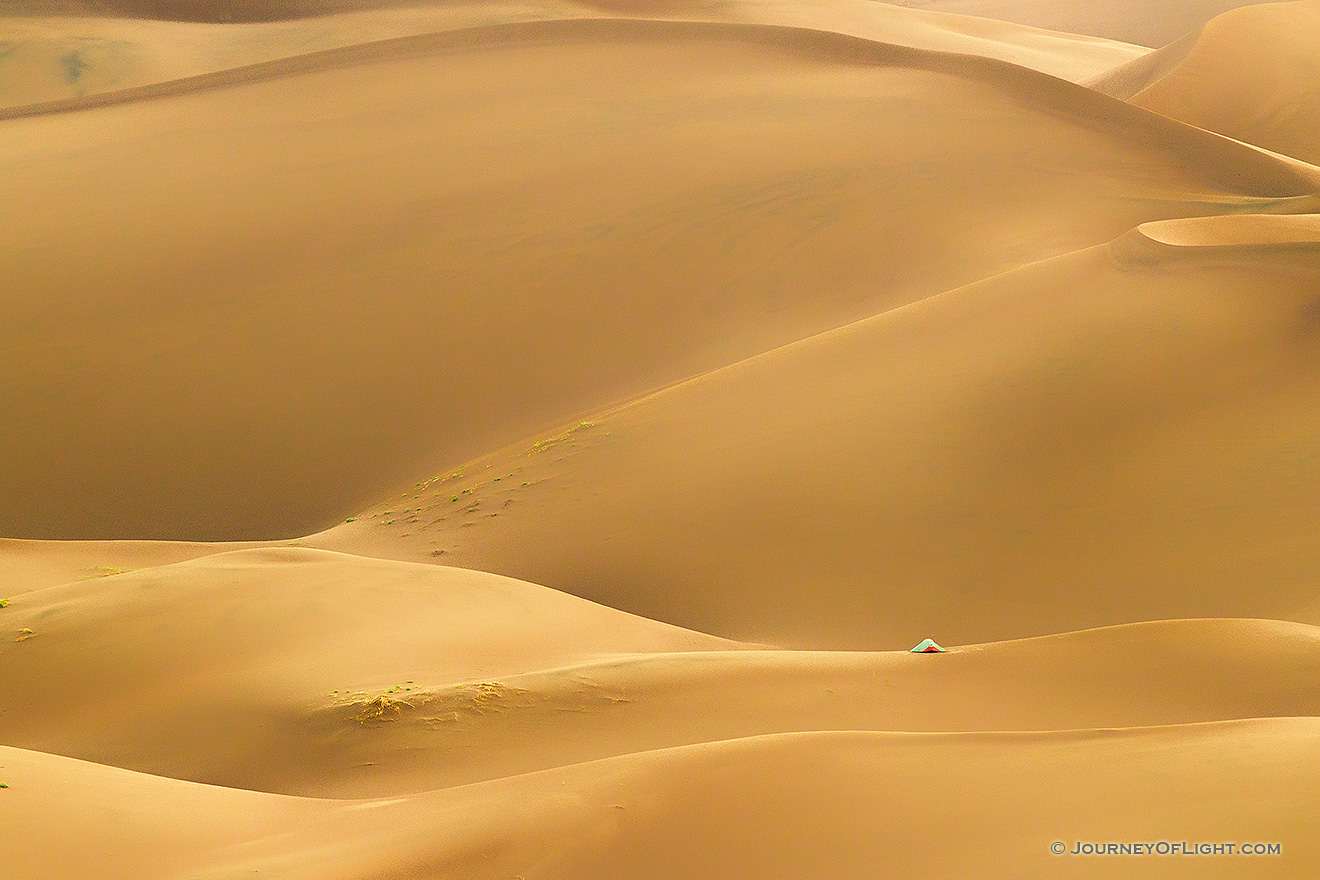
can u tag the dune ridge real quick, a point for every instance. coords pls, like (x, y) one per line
(618, 810)
(1253, 74)
(44, 58)
(499, 267)
(1240, 231)
(306, 672)
(1127, 79)
(1211, 151)
(1204, 348)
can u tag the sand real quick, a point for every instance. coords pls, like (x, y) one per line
(1141, 22)
(484, 250)
(1253, 75)
(46, 58)
(1079, 440)
(522, 440)
(831, 805)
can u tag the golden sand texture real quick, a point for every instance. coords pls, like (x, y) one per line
(261, 291)
(522, 440)
(47, 58)
(1253, 75)
(1141, 22)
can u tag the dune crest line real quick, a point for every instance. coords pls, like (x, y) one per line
(1067, 98)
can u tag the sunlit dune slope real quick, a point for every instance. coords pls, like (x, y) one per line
(1124, 433)
(816, 806)
(215, 664)
(248, 310)
(1101, 678)
(1128, 78)
(307, 672)
(33, 565)
(66, 819)
(1253, 74)
(1151, 23)
(1285, 237)
(46, 58)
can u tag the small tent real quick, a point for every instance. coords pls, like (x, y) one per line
(927, 646)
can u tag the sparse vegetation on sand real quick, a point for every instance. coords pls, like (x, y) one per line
(381, 708)
(542, 445)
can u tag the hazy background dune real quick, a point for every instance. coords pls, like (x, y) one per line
(1253, 74)
(211, 11)
(1142, 22)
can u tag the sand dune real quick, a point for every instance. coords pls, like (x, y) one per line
(212, 666)
(468, 290)
(67, 818)
(211, 11)
(707, 355)
(1142, 22)
(306, 672)
(1272, 233)
(33, 565)
(832, 805)
(48, 58)
(54, 57)
(1253, 74)
(1128, 78)
(1148, 410)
